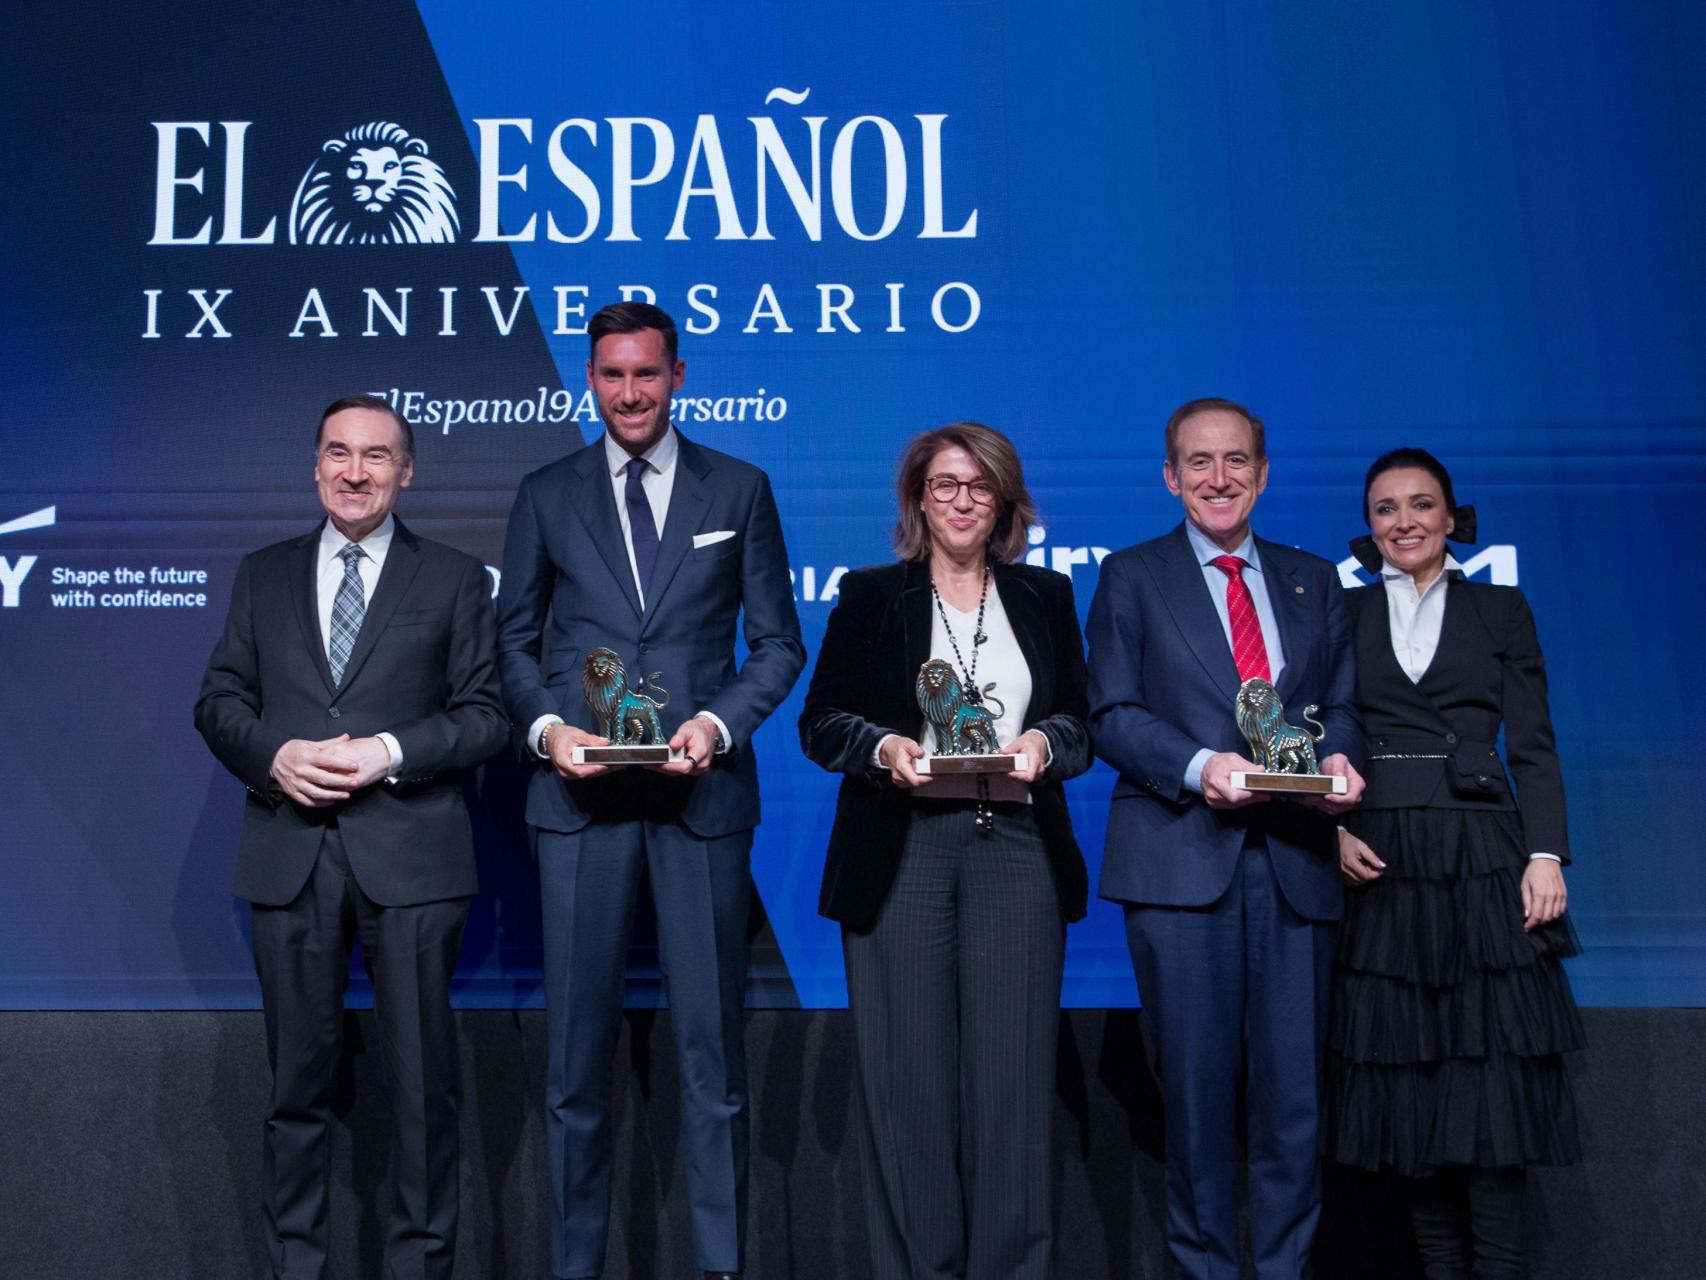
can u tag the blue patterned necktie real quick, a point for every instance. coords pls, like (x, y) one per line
(348, 608)
(642, 529)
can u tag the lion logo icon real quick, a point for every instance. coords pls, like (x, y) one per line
(374, 185)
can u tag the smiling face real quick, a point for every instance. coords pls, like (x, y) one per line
(633, 378)
(1408, 517)
(360, 465)
(959, 526)
(1217, 475)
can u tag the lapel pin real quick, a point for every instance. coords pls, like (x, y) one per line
(1299, 590)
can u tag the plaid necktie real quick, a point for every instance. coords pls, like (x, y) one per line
(348, 608)
(1249, 650)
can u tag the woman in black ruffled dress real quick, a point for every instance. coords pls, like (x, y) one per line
(1451, 1009)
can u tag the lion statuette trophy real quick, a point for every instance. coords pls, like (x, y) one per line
(1285, 753)
(628, 717)
(965, 727)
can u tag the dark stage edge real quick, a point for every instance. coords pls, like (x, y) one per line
(129, 1147)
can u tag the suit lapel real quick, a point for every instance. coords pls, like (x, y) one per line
(689, 497)
(305, 598)
(1397, 692)
(594, 500)
(917, 621)
(1453, 625)
(1186, 594)
(1374, 635)
(1288, 597)
(402, 562)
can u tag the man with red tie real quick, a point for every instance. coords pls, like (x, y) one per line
(1230, 897)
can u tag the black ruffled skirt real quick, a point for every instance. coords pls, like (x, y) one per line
(1449, 1022)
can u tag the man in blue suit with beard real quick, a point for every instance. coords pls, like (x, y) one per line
(1230, 898)
(652, 546)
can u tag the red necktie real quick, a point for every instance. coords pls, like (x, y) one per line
(1249, 650)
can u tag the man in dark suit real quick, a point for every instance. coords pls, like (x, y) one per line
(649, 545)
(1229, 897)
(355, 680)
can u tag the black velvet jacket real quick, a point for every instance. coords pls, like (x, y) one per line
(863, 688)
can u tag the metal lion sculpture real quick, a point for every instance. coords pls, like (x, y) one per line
(1275, 745)
(624, 716)
(963, 727)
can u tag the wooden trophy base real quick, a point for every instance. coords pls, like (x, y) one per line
(1292, 784)
(660, 754)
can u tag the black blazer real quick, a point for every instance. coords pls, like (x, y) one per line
(863, 688)
(1487, 670)
(424, 669)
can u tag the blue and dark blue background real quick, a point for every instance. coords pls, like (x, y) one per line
(1470, 227)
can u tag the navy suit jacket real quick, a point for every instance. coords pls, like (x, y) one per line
(424, 669)
(1162, 684)
(568, 589)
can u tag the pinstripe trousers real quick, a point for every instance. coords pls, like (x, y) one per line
(955, 997)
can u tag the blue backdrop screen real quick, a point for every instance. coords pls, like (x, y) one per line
(1468, 227)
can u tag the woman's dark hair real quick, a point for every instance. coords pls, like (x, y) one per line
(1396, 459)
(996, 458)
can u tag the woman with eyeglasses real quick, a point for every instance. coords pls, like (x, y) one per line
(954, 892)
(1451, 1011)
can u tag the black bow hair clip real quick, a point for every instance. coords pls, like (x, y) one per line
(1463, 518)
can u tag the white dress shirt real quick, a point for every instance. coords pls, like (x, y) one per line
(330, 572)
(658, 483)
(1415, 618)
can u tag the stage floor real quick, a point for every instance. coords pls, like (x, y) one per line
(131, 1148)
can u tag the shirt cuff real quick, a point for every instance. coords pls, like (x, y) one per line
(877, 753)
(1193, 771)
(725, 742)
(396, 751)
(1550, 857)
(1048, 751)
(537, 728)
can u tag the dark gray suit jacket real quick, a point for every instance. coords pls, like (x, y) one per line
(424, 669)
(568, 589)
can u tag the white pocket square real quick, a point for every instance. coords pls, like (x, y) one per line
(708, 539)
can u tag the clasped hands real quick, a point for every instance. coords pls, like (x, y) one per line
(318, 774)
(898, 755)
(697, 740)
(1218, 791)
